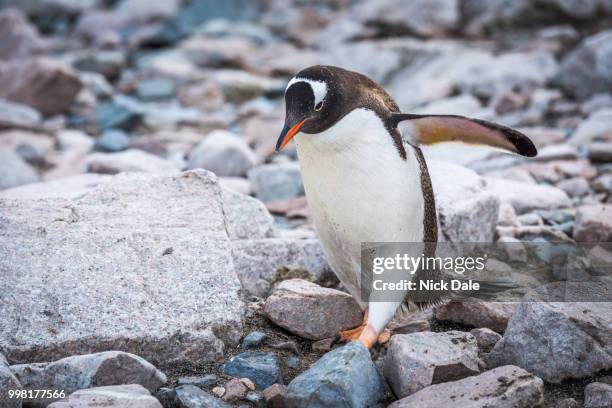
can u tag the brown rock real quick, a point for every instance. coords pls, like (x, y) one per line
(476, 312)
(485, 338)
(542, 136)
(275, 396)
(323, 345)
(311, 311)
(593, 223)
(503, 387)
(234, 390)
(19, 38)
(414, 361)
(407, 327)
(294, 207)
(42, 83)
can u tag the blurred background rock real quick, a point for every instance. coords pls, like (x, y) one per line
(103, 86)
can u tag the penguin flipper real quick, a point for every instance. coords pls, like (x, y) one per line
(431, 129)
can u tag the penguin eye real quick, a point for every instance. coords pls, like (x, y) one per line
(319, 106)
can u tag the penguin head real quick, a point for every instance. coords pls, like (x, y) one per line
(312, 103)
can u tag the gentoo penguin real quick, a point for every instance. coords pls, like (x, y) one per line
(365, 181)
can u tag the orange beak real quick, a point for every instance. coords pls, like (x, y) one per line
(287, 134)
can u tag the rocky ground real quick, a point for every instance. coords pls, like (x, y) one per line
(132, 277)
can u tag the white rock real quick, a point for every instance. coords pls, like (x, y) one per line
(131, 160)
(223, 153)
(525, 197)
(598, 123)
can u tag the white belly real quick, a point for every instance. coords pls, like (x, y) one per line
(359, 189)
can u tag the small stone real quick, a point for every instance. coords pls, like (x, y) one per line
(114, 396)
(567, 403)
(89, 370)
(14, 171)
(592, 128)
(485, 338)
(248, 383)
(417, 360)
(561, 151)
(323, 345)
(575, 187)
(529, 219)
(598, 395)
(252, 340)
(218, 391)
(275, 395)
(119, 113)
(108, 63)
(407, 327)
(277, 181)
(256, 399)
(287, 345)
(311, 311)
(600, 152)
(260, 367)
(234, 390)
(345, 376)
(190, 396)
(603, 183)
(478, 313)
(155, 89)
(293, 362)
(507, 386)
(112, 140)
(204, 381)
(223, 153)
(593, 223)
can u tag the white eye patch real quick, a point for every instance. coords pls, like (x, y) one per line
(319, 88)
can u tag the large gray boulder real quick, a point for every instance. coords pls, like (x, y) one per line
(557, 340)
(141, 263)
(344, 377)
(223, 153)
(503, 387)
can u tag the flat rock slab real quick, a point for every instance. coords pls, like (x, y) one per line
(503, 387)
(417, 360)
(557, 340)
(142, 263)
(311, 311)
(344, 377)
(114, 396)
(91, 370)
(477, 313)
